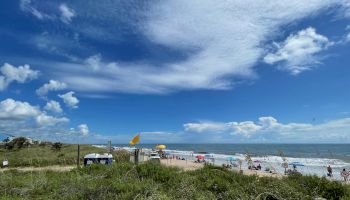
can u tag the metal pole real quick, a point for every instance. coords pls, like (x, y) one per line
(78, 158)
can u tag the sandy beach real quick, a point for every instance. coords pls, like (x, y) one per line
(191, 165)
(184, 164)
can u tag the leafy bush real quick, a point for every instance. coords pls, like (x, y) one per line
(57, 146)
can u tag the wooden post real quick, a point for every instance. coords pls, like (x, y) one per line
(78, 158)
(136, 156)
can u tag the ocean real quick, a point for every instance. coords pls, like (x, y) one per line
(315, 157)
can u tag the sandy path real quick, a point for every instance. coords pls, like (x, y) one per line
(56, 168)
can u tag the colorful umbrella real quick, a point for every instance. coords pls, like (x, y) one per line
(257, 161)
(231, 158)
(200, 157)
(161, 146)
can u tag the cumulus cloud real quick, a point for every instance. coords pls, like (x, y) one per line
(20, 74)
(46, 120)
(17, 110)
(335, 130)
(299, 51)
(69, 99)
(52, 85)
(23, 119)
(83, 129)
(12, 110)
(53, 106)
(66, 13)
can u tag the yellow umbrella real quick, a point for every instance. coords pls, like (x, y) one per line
(161, 146)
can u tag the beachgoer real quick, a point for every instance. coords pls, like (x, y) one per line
(344, 174)
(330, 171)
(258, 167)
(294, 168)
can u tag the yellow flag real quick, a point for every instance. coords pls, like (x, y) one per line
(135, 139)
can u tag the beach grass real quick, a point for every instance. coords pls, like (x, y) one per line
(124, 180)
(45, 155)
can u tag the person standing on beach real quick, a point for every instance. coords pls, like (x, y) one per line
(344, 174)
(330, 171)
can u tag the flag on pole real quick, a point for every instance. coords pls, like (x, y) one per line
(135, 140)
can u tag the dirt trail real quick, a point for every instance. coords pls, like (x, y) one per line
(56, 168)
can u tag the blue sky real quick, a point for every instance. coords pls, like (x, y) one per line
(176, 71)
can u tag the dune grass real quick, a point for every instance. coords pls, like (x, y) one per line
(124, 180)
(38, 156)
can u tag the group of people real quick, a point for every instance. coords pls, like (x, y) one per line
(344, 173)
(255, 167)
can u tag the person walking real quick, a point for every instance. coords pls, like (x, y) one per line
(344, 174)
(330, 171)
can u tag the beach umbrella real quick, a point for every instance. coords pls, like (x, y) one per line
(296, 164)
(257, 161)
(161, 146)
(200, 157)
(231, 158)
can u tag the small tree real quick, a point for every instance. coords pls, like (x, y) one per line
(57, 146)
(20, 142)
(9, 145)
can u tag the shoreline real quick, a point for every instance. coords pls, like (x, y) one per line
(189, 165)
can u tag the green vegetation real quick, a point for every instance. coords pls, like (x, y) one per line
(46, 154)
(124, 180)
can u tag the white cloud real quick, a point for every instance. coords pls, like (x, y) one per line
(17, 110)
(20, 74)
(221, 41)
(269, 127)
(94, 62)
(83, 129)
(53, 106)
(23, 119)
(69, 99)
(47, 120)
(347, 38)
(12, 110)
(298, 52)
(205, 127)
(52, 85)
(66, 13)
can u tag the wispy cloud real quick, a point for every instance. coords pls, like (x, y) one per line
(220, 53)
(66, 13)
(52, 85)
(27, 6)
